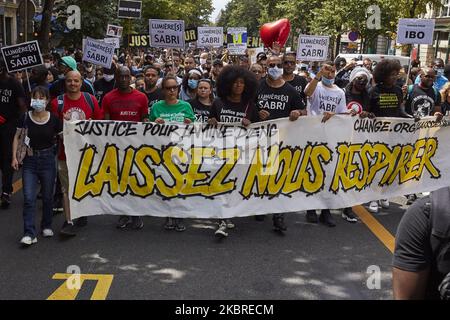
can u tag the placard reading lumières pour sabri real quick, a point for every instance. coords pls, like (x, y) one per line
(312, 48)
(210, 37)
(22, 56)
(166, 33)
(98, 52)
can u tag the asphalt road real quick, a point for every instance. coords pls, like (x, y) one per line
(307, 262)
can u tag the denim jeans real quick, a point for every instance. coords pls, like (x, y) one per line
(39, 167)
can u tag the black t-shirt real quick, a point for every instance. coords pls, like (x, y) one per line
(385, 102)
(445, 108)
(58, 88)
(153, 97)
(42, 135)
(10, 92)
(232, 112)
(299, 83)
(102, 87)
(421, 102)
(279, 102)
(413, 250)
(361, 98)
(201, 110)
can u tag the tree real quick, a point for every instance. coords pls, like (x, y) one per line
(44, 33)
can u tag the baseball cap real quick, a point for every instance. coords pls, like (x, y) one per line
(261, 56)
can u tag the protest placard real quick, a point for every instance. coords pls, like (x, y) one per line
(237, 41)
(98, 52)
(114, 31)
(166, 33)
(415, 31)
(210, 37)
(130, 9)
(312, 48)
(22, 56)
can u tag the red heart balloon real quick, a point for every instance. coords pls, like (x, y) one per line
(277, 31)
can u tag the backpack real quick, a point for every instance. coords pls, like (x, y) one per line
(440, 236)
(87, 98)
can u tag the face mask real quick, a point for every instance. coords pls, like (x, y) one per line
(202, 61)
(327, 82)
(61, 77)
(108, 77)
(275, 73)
(192, 83)
(38, 104)
(48, 65)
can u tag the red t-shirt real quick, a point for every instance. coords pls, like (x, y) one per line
(78, 110)
(121, 106)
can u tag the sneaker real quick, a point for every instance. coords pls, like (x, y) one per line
(347, 214)
(327, 219)
(137, 223)
(5, 200)
(260, 217)
(384, 203)
(311, 217)
(179, 226)
(47, 233)
(230, 224)
(68, 229)
(373, 207)
(81, 222)
(28, 241)
(57, 206)
(221, 230)
(278, 224)
(123, 222)
(411, 198)
(169, 224)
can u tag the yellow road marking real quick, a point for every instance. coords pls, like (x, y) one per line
(65, 292)
(17, 186)
(377, 228)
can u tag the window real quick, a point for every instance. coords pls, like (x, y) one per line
(445, 10)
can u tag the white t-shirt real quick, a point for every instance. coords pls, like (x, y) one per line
(327, 99)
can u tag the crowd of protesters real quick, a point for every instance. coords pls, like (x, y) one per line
(192, 86)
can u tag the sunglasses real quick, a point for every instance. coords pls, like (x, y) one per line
(289, 62)
(272, 65)
(171, 88)
(430, 77)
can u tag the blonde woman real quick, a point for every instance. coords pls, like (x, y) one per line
(445, 100)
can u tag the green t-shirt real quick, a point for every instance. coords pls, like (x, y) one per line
(172, 113)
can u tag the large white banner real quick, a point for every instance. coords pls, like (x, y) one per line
(202, 171)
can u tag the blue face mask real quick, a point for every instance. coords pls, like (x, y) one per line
(327, 82)
(192, 83)
(38, 104)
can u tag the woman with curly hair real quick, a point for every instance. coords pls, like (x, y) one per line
(236, 90)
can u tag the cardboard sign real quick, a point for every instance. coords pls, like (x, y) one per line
(415, 31)
(210, 37)
(130, 9)
(167, 33)
(113, 41)
(22, 56)
(114, 31)
(98, 52)
(312, 48)
(237, 41)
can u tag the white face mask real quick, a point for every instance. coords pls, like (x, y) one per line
(108, 77)
(202, 61)
(38, 104)
(275, 73)
(48, 65)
